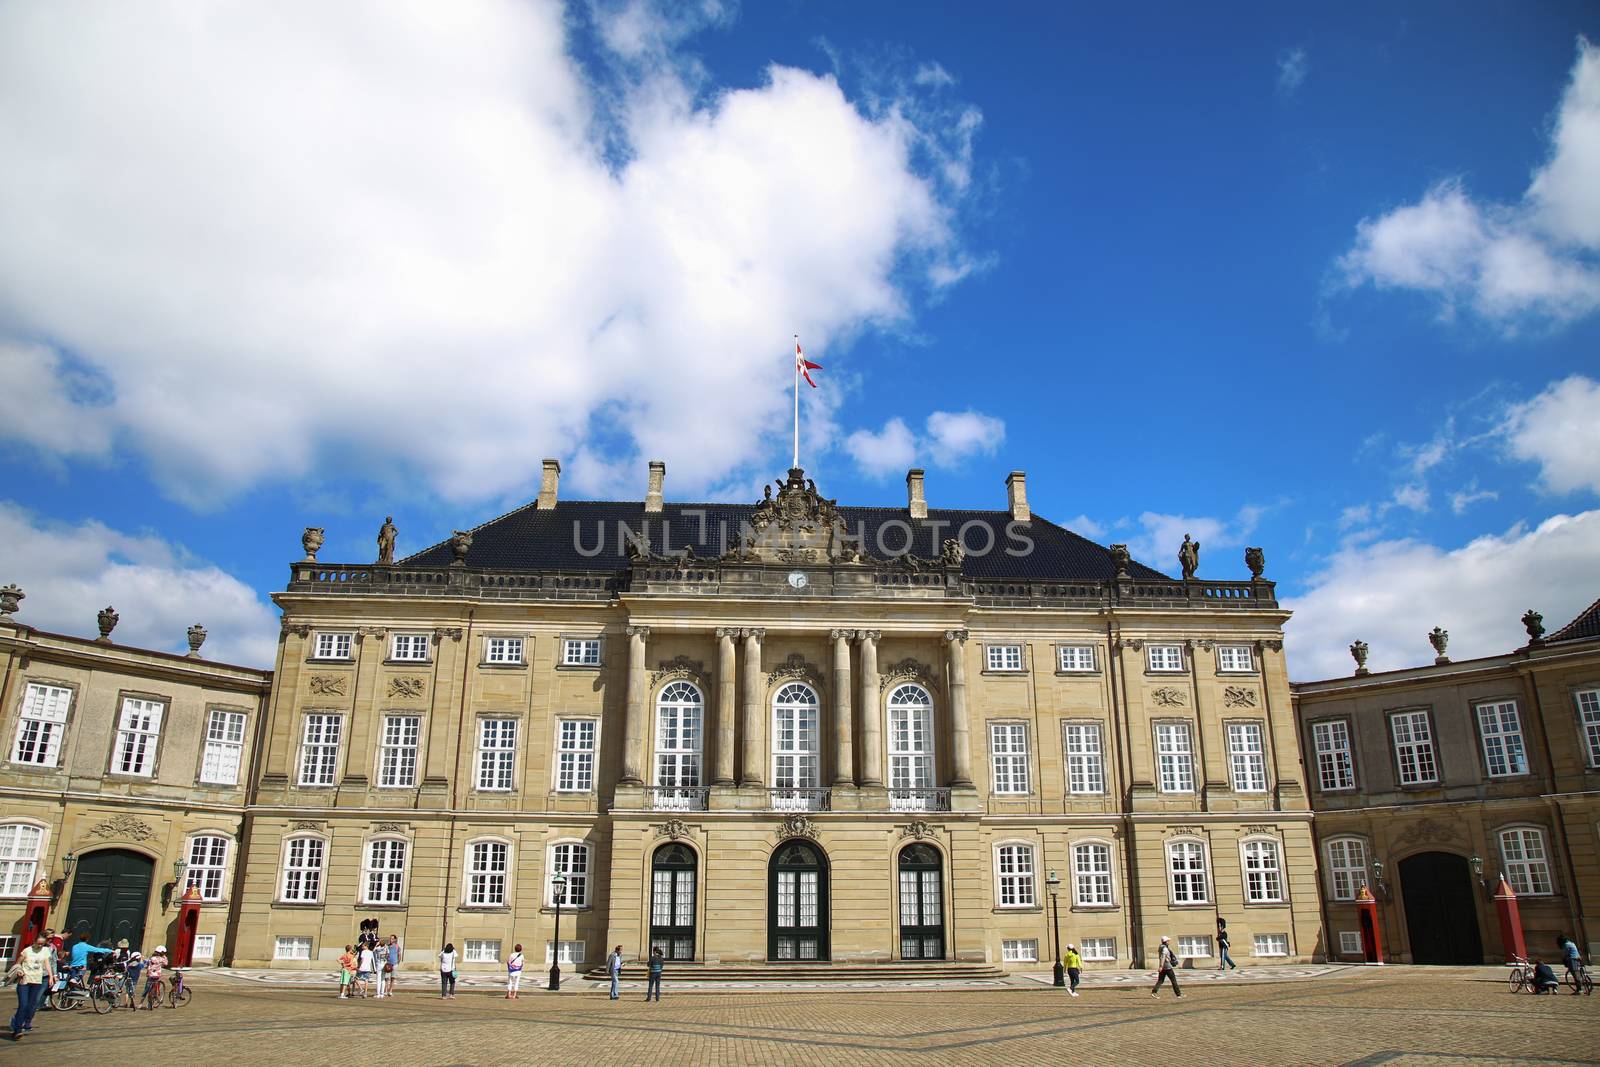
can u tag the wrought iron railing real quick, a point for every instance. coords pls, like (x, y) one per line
(677, 797)
(800, 799)
(919, 799)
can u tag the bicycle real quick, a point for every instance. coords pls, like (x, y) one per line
(1582, 982)
(105, 989)
(1521, 973)
(67, 994)
(180, 994)
(154, 992)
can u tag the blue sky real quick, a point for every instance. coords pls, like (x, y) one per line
(1325, 281)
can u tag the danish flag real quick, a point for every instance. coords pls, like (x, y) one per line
(804, 366)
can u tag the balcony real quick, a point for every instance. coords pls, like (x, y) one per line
(919, 799)
(677, 797)
(800, 799)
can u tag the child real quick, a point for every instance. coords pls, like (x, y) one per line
(347, 972)
(513, 973)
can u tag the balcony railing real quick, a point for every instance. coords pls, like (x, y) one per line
(677, 797)
(919, 799)
(801, 799)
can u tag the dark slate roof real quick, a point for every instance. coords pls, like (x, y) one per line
(1585, 627)
(557, 539)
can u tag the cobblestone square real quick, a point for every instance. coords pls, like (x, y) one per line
(1396, 1016)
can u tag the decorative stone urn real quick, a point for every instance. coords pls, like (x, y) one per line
(11, 597)
(1256, 560)
(1439, 638)
(107, 619)
(1532, 621)
(311, 540)
(461, 544)
(1121, 557)
(197, 637)
(1358, 652)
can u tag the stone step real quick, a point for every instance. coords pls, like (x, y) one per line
(685, 971)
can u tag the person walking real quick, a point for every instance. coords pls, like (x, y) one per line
(1569, 956)
(366, 970)
(658, 962)
(1225, 960)
(347, 971)
(514, 973)
(391, 965)
(614, 969)
(447, 972)
(1167, 962)
(1074, 964)
(34, 972)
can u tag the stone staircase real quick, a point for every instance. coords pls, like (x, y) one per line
(890, 971)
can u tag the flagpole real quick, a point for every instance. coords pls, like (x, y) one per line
(796, 462)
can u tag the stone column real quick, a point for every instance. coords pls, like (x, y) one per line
(960, 735)
(725, 710)
(844, 769)
(754, 691)
(633, 729)
(871, 712)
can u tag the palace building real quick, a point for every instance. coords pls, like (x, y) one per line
(762, 734)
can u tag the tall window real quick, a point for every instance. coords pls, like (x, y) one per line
(580, 652)
(1588, 701)
(224, 747)
(42, 725)
(1075, 658)
(487, 863)
(910, 739)
(1186, 868)
(19, 858)
(1500, 728)
(1347, 867)
(1246, 757)
(1086, 766)
(1331, 740)
(1413, 747)
(397, 753)
(1091, 875)
(409, 647)
(575, 755)
(503, 650)
(1099, 948)
(319, 748)
(497, 753)
(1164, 657)
(1003, 658)
(1175, 757)
(138, 730)
(679, 715)
(333, 646)
(386, 870)
(208, 862)
(794, 738)
(571, 860)
(1008, 751)
(1263, 872)
(1235, 658)
(302, 869)
(1527, 863)
(1014, 876)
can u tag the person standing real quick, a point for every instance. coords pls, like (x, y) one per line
(1074, 964)
(78, 960)
(1167, 962)
(447, 972)
(1569, 956)
(34, 972)
(514, 973)
(1225, 960)
(391, 964)
(366, 968)
(658, 962)
(347, 971)
(154, 969)
(614, 969)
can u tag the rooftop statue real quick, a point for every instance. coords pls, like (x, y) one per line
(1189, 557)
(386, 537)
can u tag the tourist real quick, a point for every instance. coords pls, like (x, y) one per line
(1225, 960)
(1167, 962)
(513, 973)
(1569, 956)
(78, 961)
(347, 971)
(34, 972)
(1544, 979)
(657, 962)
(391, 965)
(614, 969)
(1074, 969)
(447, 972)
(153, 970)
(366, 968)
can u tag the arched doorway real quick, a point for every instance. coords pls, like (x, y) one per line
(1441, 915)
(921, 903)
(797, 903)
(672, 872)
(111, 896)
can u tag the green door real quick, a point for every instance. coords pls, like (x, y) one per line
(111, 896)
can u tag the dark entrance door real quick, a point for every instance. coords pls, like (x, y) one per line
(921, 904)
(1441, 914)
(111, 896)
(797, 903)
(672, 902)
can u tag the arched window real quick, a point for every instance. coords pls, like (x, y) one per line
(1347, 867)
(679, 715)
(1013, 865)
(487, 865)
(797, 903)
(921, 903)
(208, 865)
(570, 858)
(385, 873)
(1186, 870)
(1527, 863)
(1263, 871)
(1091, 875)
(303, 859)
(910, 749)
(672, 917)
(796, 772)
(19, 858)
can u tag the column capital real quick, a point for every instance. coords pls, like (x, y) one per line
(757, 632)
(727, 631)
(957, 636)
(843, 635)
(637, 631)
(869, 635)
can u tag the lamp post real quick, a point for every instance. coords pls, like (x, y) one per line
(1055, 916)
(558, 890)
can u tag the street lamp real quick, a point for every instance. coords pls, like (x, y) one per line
(1055, 913)
(558, 890)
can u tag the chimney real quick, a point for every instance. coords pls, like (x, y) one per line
(547, 486)
(652, 493)
(1017, 496)
(915, 502)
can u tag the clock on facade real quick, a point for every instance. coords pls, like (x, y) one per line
(798, 579)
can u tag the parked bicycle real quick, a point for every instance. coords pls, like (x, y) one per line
(107, 990)
(68, 993)
(1520, 975)
(1582, 982)
(180, 993)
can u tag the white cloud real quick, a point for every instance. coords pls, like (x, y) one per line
(1391, 593)
(421, 240)
(892, 450)
(1560, 430)
(1087, 527)
(1292, 69)
(1355, 515)
(1462, 499)
(951, 439)
(1411, 495)
(69, 572)
(1157, 543)
(956, 436)
(1531, 261)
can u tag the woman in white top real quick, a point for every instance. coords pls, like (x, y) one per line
(514, 973)
(447, 973)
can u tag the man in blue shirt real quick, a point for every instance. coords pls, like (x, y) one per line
(78, 963)
(1569, 955)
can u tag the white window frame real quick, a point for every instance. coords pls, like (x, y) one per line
(577, 742)
(1193, 874)
(1347, 866)
(1505, 751)
(1330, 742)
(680, 735)
(1015, 875)
(1247, 755)
(385, 862)
(573, 953)
(1417, 747)
(1008, 758)
(290, 947)
(1350, 943)
(1175, 756)
(1098, 949)
(1587, 703)
(1019, 950)
(1261, 866)
(1070, 659)
(138, 742)
(1236, 659)
(333, 645)
(409, 647)
(575, 859)
(504, 651)
(224, 747)
(399, 751)
(486, 873)
(495, 762)
(1268, 945)
(581, 652)
(1164, 658)
(319, 757)
(303, 869)
(1530, 874)
(205, 946)
(18, 869)
(480, 950)
(796, 738)
(1083, 743)
(207, 865)
(42, 725)
(910, 738)
(1005, 658)
(1094, 875)
(1194, 946)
